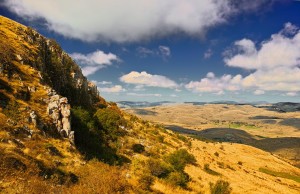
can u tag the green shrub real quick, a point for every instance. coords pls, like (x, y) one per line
(180, 158)
(111, 120)
(87, 135)
(160, 138)
(90, 138)
(178, 179)
(138, 148)
(158, 168)
(221, 187)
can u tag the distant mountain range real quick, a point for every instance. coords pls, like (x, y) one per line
(278, 107)
(136, 104)
(283, 107)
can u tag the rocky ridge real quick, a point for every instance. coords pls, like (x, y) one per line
(54, 70)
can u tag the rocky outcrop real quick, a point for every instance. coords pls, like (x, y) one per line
(56, 68)
(60, 112)
(33, 117)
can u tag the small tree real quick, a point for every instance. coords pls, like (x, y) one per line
(180, 158)
(158, 168)
(178, 179)
(110, 120)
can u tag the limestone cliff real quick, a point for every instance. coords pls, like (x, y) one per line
(56, 69)
(39, 82)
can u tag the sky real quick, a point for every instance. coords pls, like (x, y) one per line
(176, 50)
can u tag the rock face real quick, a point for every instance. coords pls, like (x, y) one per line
(62, 78)
(33, 117)
(56, 68)
(60, 112)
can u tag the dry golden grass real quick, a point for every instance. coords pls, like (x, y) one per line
(218, 121)
(239, 165)
(218, 115)
(236, 163)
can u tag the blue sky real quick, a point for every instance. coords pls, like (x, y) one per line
(176, 50)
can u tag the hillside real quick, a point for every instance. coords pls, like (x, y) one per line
(58, 135)
(275, 132)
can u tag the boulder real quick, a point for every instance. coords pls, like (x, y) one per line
(63, 100)
(33, 117)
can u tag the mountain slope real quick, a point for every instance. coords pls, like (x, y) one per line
(113, 151)
(34, 156)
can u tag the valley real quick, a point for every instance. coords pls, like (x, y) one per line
(274, 132)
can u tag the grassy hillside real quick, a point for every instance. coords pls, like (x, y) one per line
(113, 151)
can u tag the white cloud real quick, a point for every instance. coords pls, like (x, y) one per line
(113, 89)
(220, 93)
(144, 95)
(291, 94)
(102, 82)
(246, 5)
(289, 29)
(275, 66)
(214, 84)
(164, 51)
(144, 52)
(146, 79)
(94, 61)
(259, 92)
(278, 79)
(173, 96)
(275, 63)
(139, 88)
(89, 70)
(207, 54)
(128, 20)
(280, 51)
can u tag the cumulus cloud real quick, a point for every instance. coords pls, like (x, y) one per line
(259, 92)
(275, 66)
(113, 89)
(216, 85)
(291, 94)
(128, 20)
(279, 51)
(92, 62)
(145, 79)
